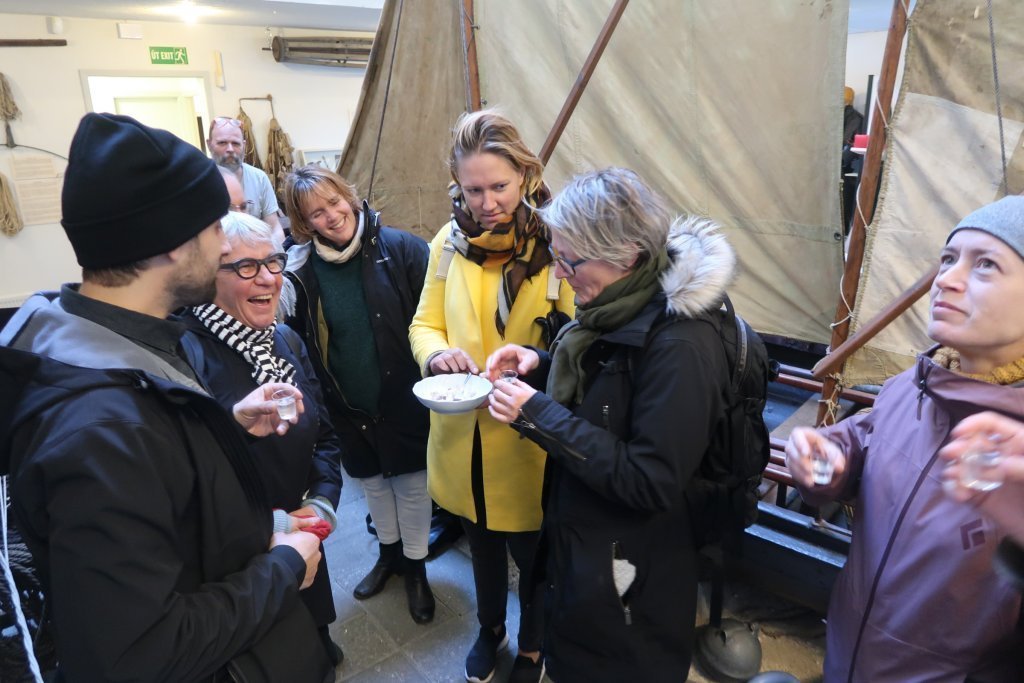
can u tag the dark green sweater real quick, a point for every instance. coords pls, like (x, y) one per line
(351, 348)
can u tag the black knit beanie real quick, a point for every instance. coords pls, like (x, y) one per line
(131, 191)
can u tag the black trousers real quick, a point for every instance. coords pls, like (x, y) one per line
(490, 574)
(490, 566)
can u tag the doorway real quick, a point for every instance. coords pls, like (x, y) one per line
(178, 103)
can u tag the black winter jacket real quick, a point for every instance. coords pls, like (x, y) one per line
(307, 458)
(619, 464)
(152, 553)
(394, 440)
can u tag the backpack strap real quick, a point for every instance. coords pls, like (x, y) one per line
(444, 261)
(554, 284)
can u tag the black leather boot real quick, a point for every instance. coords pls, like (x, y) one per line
(421, 598)
(389, 562)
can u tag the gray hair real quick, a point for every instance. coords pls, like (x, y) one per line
(249, 230)
(609, 214)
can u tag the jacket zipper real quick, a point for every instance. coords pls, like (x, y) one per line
(605, 410)
(528, 423)
(626, 612)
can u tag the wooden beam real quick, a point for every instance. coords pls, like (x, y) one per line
(834, 360)
(473, 102)
(867, 192)
(582, 79)
(33, 42)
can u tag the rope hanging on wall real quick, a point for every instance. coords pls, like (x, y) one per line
(10, 222)
(8, 108)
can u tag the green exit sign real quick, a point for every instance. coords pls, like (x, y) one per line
(168, 55)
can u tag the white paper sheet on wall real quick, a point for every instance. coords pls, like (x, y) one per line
(40, 200)
(26, 167)
(37, 184)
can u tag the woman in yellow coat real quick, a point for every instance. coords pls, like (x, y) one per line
(489, 280)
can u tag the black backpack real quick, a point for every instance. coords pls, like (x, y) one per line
(723, 494)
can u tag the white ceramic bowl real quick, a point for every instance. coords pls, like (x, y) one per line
(466, 395)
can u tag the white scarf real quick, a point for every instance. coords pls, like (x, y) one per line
(332, 255)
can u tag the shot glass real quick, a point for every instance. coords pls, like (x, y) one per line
(823, 465)
(508, 375)
(978, 470)
(285, 401)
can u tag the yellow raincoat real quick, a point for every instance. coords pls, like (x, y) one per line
(459, 312)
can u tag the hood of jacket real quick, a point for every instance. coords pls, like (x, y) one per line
(48, 355)
(702, 265)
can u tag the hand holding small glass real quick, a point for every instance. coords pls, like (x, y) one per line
(812, 459)
(258, 412)
(512, 357)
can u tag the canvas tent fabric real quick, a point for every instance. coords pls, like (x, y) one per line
(736, 120)
(942, 162)
(413, 92)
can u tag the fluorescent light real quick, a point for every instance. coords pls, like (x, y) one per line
(186, 10)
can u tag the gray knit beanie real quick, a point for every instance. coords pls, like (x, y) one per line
(1003, 219)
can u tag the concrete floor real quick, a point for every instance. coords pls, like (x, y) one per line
(382, 643)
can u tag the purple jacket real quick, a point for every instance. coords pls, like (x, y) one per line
(918, 599)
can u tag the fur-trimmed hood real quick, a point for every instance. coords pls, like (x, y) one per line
(703, 265)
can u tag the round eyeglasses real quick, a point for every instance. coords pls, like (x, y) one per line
(567, 265)
(248, 268)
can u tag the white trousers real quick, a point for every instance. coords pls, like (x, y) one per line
(400, 509)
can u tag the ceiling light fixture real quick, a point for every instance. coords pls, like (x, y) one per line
(186, 10)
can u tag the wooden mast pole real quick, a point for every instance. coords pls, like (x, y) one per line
(866, 195)
(469, 55)
(582, 79)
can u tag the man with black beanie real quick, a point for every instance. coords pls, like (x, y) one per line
(131, 486)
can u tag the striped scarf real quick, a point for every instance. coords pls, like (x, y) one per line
(255, 346)
(520, 246)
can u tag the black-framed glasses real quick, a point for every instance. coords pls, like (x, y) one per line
(248, 268)
(567, 265)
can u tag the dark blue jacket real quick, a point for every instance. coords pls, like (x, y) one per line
(307, 458)
(392, 441)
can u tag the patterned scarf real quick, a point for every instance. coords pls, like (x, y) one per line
(519, 246)
(255, 346)
(1004, 375)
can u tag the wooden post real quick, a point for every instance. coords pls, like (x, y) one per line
(469, 54)
(834, 360)
(581, 81)
(867, 193)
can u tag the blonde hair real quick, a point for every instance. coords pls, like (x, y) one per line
(609, 214)
(488, 131)
(309, 180)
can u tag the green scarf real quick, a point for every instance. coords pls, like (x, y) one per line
(616, 305)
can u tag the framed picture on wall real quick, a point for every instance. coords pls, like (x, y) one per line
(327, 158)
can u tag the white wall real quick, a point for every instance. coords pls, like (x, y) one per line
(314, 105)
(863, 58)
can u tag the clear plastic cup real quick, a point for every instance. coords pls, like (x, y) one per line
(285, 401)
(823, 466)
(978, 470)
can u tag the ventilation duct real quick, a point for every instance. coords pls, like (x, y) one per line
(323, 51)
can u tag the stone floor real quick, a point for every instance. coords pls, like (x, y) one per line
(382, 643)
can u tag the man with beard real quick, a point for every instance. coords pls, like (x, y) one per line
(227, 147)
(131, 486)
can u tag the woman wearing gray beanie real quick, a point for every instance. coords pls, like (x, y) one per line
(919, 598)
